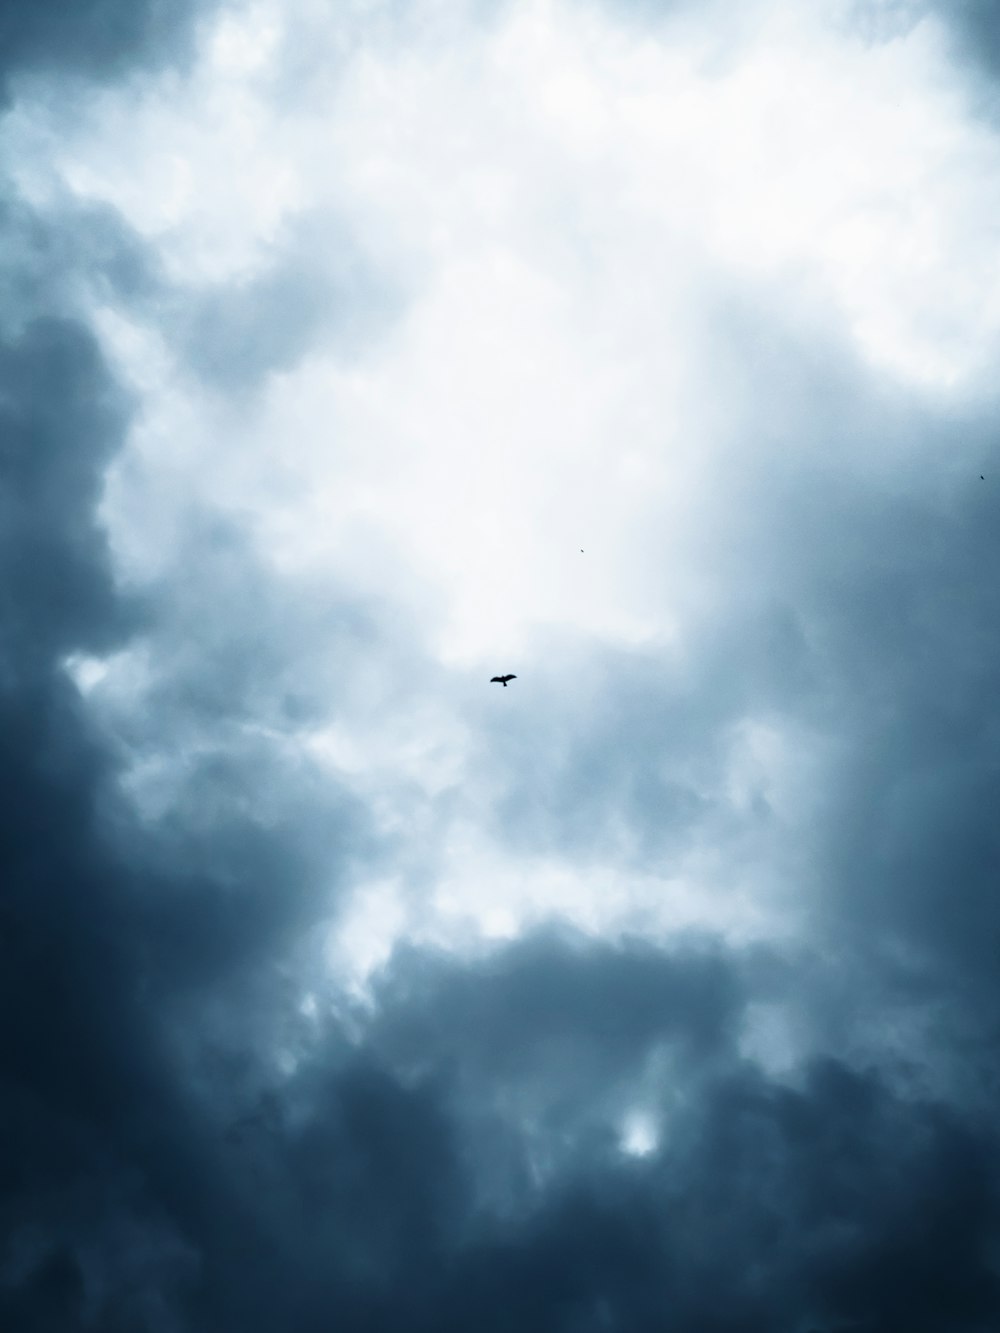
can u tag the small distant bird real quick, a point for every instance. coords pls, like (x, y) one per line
(581, 550)
(502, 680)
(981, 477)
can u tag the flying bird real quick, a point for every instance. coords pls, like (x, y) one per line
(502, 680)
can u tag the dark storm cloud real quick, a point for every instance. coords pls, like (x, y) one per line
(141, 973)
(115, 937)
(517, 1008)
(830, 1203)
(57, 585)
(255, 839)
(550, 1041)
(118, 939)
(833, 1206)
(101, 39)
(73, 1063)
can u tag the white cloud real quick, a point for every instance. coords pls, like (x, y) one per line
(559, 199)
(639, 1134)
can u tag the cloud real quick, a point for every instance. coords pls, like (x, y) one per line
(96, 40)
(58, 570)
(656, 991)
(835, 1200)
(74, 1061)
(976, 32)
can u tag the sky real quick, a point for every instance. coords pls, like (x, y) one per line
(352, 354)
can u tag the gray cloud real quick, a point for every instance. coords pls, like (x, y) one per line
(976, 28)
(95, 39)
(859, 611)
(303, 299)
(182, 1149)
(52, 258)
(832, 1203)
(57, 569)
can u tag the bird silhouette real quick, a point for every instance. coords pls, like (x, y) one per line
(502, 680)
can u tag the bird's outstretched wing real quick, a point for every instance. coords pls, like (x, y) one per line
(510, 677)
(497, 679)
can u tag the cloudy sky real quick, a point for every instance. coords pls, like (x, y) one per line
(350, 354)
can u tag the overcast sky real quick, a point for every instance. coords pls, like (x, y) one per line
(351, 354)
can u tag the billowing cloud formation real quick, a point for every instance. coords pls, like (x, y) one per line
(340, 988)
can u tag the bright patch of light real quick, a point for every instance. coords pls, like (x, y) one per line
(484, 894)
(371, 924)
(805, 158)
(243, 43)
(640, 1134)
(541, 392)
(86, 672)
